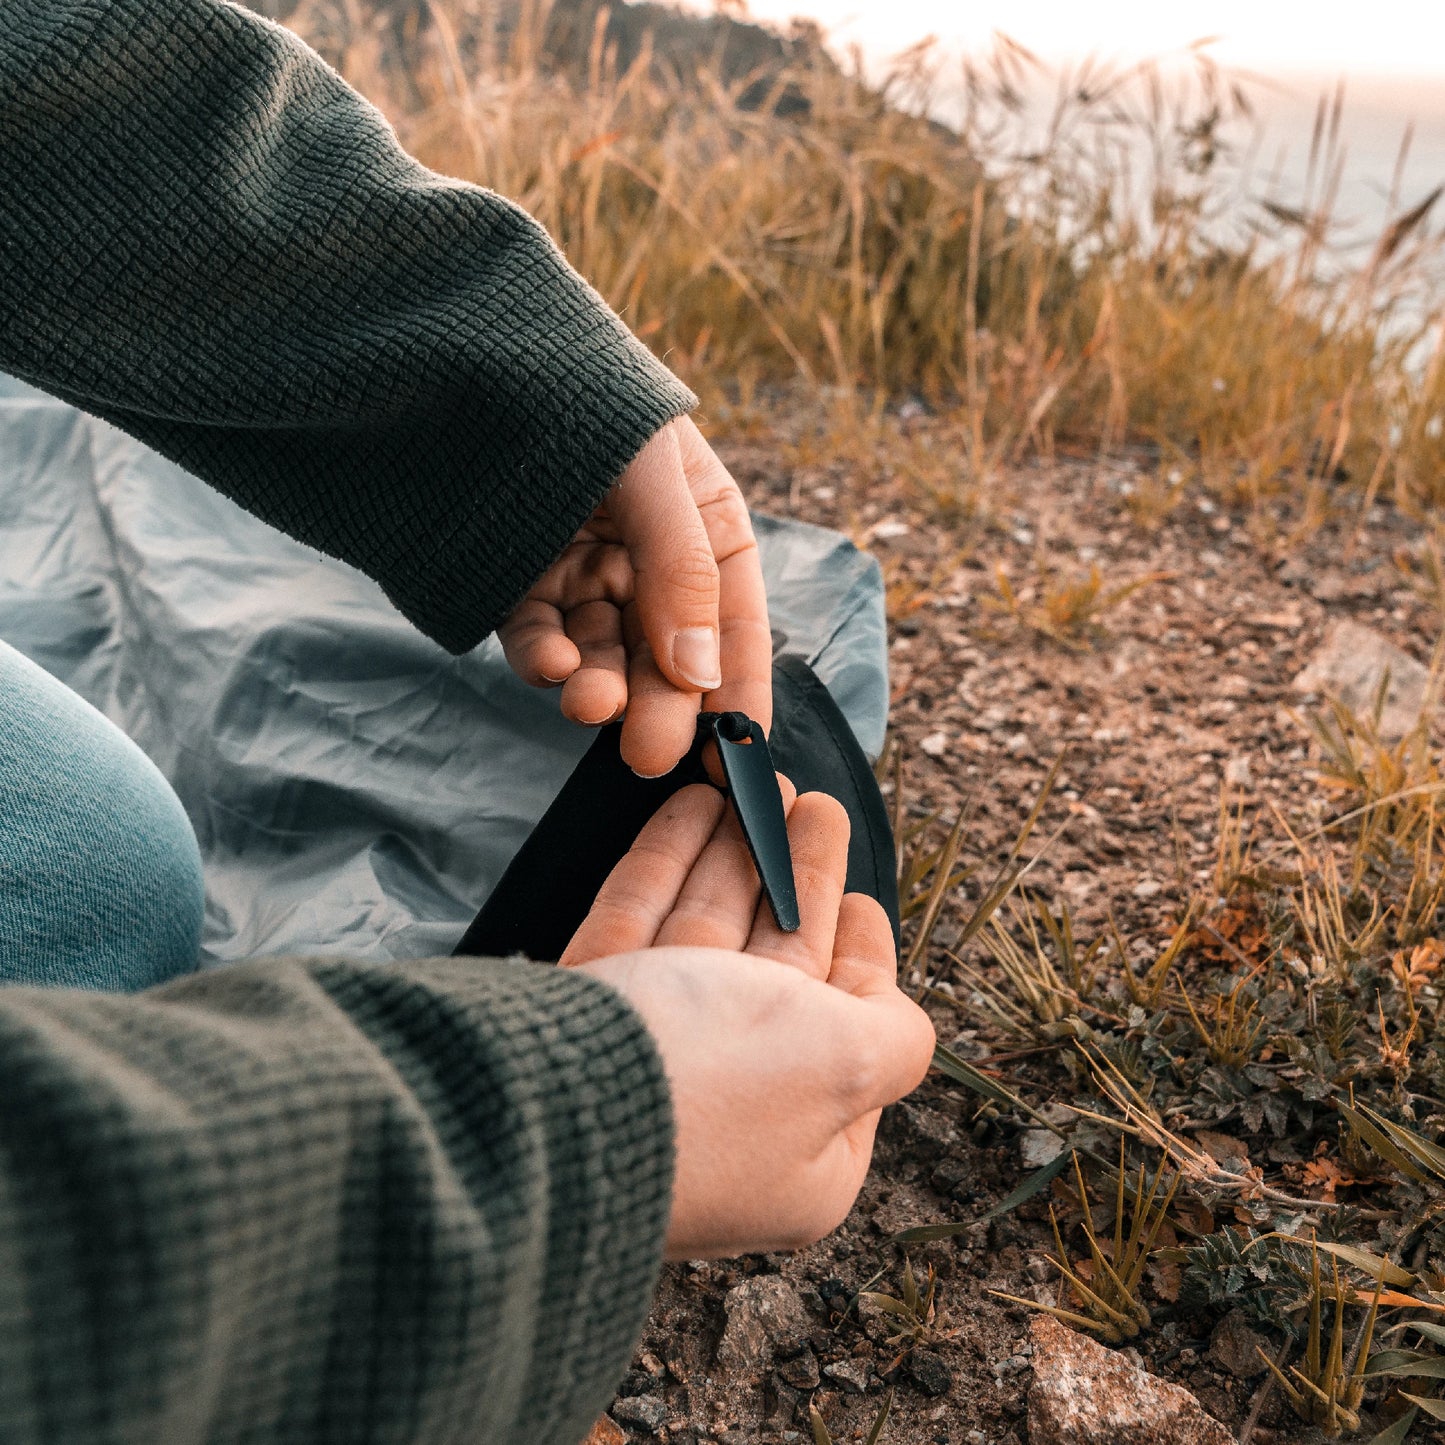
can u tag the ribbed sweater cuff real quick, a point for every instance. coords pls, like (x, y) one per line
(297, 1200)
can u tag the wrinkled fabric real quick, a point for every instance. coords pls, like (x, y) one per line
(353, 787)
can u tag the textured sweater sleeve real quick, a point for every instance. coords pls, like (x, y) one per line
(304, 1201)
(208, 239)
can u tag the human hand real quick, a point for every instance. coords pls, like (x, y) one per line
(778, 1073)
(657, 606)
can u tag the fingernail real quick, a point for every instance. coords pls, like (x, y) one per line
(695, 656)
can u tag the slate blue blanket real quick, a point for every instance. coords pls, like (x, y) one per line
(354, 788)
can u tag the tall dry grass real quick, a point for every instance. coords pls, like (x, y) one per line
(1053, 291)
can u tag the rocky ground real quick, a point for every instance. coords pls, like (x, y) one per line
(1154, 701)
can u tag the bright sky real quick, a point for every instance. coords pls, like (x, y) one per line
(1379, 37)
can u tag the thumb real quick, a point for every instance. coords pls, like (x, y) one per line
(672, 560)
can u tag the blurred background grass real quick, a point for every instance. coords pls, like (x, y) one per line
(763, 214)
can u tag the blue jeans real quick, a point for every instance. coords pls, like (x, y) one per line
(100, 875)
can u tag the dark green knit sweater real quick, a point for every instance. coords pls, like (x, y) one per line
(313, 1200)
(208, 239)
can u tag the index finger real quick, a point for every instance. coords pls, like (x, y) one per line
(641, 890)
(745, 638)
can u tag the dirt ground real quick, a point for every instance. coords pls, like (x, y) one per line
(1190, 676)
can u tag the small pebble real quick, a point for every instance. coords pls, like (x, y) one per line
(928, 1372)
(887, 531)
(647, 1412)
(1038, 1147)
(851, 1374)
(801, 1372)
(935, 744)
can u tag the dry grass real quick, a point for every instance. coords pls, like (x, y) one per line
(1043, 291)
(1066, 609)
(1107, 1287)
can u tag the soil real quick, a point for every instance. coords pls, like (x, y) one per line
(1185, 678)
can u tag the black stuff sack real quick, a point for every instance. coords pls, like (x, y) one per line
(546, 891)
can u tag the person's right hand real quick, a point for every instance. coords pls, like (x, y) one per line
(780, 1049)
(656, 608)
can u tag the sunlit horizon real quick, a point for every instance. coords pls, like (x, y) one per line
(1401, 40)
(1392, 143)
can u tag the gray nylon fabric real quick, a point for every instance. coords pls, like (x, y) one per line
(354, 788)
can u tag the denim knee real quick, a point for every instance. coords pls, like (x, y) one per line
(100, 875)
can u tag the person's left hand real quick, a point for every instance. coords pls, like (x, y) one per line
(657, 607)
(780, 1048)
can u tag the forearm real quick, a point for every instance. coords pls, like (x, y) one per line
(320, 1200)
(211, 241)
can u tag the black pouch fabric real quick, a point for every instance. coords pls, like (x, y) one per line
(552, 881)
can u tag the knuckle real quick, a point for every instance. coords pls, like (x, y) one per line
(719, 499)
(698, 925)
(870, 1074)
(650, 863)
(609, 571)
(620, 909)
(825, 1212)
(693, 569)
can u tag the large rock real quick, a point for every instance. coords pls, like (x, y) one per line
(1083, 1394)
(606, 1432)
(647, 1412)
(765, 1315)
(1349, 666)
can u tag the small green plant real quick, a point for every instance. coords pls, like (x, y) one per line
(1235, 1268)
(1233, 1023)
(1147, 991)
(1327, 1390)
(914, 1309)
(930, 877)
(1042, 996)
(1112, 1294)
(1389, 791)
(1335, 937)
